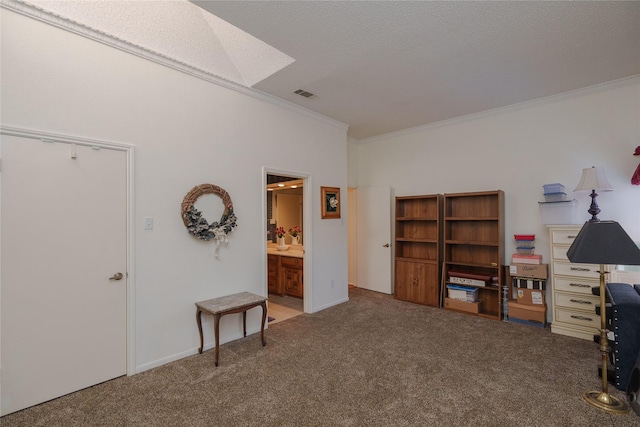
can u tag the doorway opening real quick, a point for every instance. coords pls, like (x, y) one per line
(285, 218)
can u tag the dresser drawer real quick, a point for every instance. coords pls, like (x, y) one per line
(559, 252)
(578, 285)
(577, 302)
(564, 237)
(577, 318)
(589, 271)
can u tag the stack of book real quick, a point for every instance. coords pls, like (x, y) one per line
(524, 250)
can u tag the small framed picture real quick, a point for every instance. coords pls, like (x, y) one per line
(330, 199)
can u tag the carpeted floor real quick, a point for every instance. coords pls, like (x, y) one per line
(373, 361)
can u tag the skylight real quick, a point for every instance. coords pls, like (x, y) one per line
(179, 30)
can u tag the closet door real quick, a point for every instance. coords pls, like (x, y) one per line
(64, 292)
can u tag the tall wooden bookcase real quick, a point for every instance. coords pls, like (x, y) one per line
(418, 248)
(474, 244)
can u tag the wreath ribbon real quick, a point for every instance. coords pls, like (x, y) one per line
(198, 226)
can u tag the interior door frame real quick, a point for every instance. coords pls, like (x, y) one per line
(306, 227)
(128, 149)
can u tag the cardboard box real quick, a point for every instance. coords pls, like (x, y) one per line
(538, 271)
(467, 307)
(531, 296)
(530, 313)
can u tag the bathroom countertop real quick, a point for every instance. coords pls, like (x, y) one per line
(296, 251)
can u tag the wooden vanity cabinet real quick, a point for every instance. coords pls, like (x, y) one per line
(285, 275)
(291, 270)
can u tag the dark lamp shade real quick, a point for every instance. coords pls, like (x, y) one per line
(604, 242)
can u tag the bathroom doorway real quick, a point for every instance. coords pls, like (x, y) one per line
(286, 237)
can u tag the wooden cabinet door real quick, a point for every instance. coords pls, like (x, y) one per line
(427, 285)
(403, 280)
(291, 272)
(292, 278)
(272, 279)
(417, 282)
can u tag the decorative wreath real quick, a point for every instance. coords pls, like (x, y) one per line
(198, 226)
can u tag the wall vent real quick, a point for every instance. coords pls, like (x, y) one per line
(304, 93)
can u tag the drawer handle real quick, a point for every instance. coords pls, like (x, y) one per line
(580, 301)
(580, 269)
(571, 236)
(573, 316)
(580, 285)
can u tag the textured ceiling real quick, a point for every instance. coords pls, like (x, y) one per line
(377, 66)
(381, 67)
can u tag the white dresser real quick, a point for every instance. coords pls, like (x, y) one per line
(573, 302)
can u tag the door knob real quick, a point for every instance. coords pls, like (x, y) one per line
(117, 276)
(386, 245)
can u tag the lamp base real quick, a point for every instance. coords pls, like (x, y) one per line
(605, 401)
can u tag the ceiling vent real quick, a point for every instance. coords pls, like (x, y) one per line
(304, 93)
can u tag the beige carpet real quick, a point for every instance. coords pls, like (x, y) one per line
(373, 361)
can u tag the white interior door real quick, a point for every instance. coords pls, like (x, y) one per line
(63, 320)
(373, 236)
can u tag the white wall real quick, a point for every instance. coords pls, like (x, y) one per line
(186, 131)
(517, 150)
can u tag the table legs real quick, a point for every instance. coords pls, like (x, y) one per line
(216, 331)
(264, 318)
(199, 321)
(216, 326)
(244, 322)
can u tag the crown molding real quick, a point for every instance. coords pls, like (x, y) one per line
(34, 12)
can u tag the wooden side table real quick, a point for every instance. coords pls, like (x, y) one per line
(236, 303)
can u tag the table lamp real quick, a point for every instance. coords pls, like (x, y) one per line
(593, 179)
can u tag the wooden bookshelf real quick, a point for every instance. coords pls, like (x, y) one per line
(418, 248)
(474, 244)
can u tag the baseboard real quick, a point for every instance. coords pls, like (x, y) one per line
(190, 352)
(331, 304)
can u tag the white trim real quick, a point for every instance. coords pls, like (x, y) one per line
(307, 225)
(501, 110)
(83, 30)
(334, 303)
(129, 150)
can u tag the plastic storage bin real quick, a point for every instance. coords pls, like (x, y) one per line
(558, 212)
(524, 244)
(524, 236)
(555, 197)
(528, 250)
(553, 188)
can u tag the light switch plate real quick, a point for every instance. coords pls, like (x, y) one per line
(148, 223)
